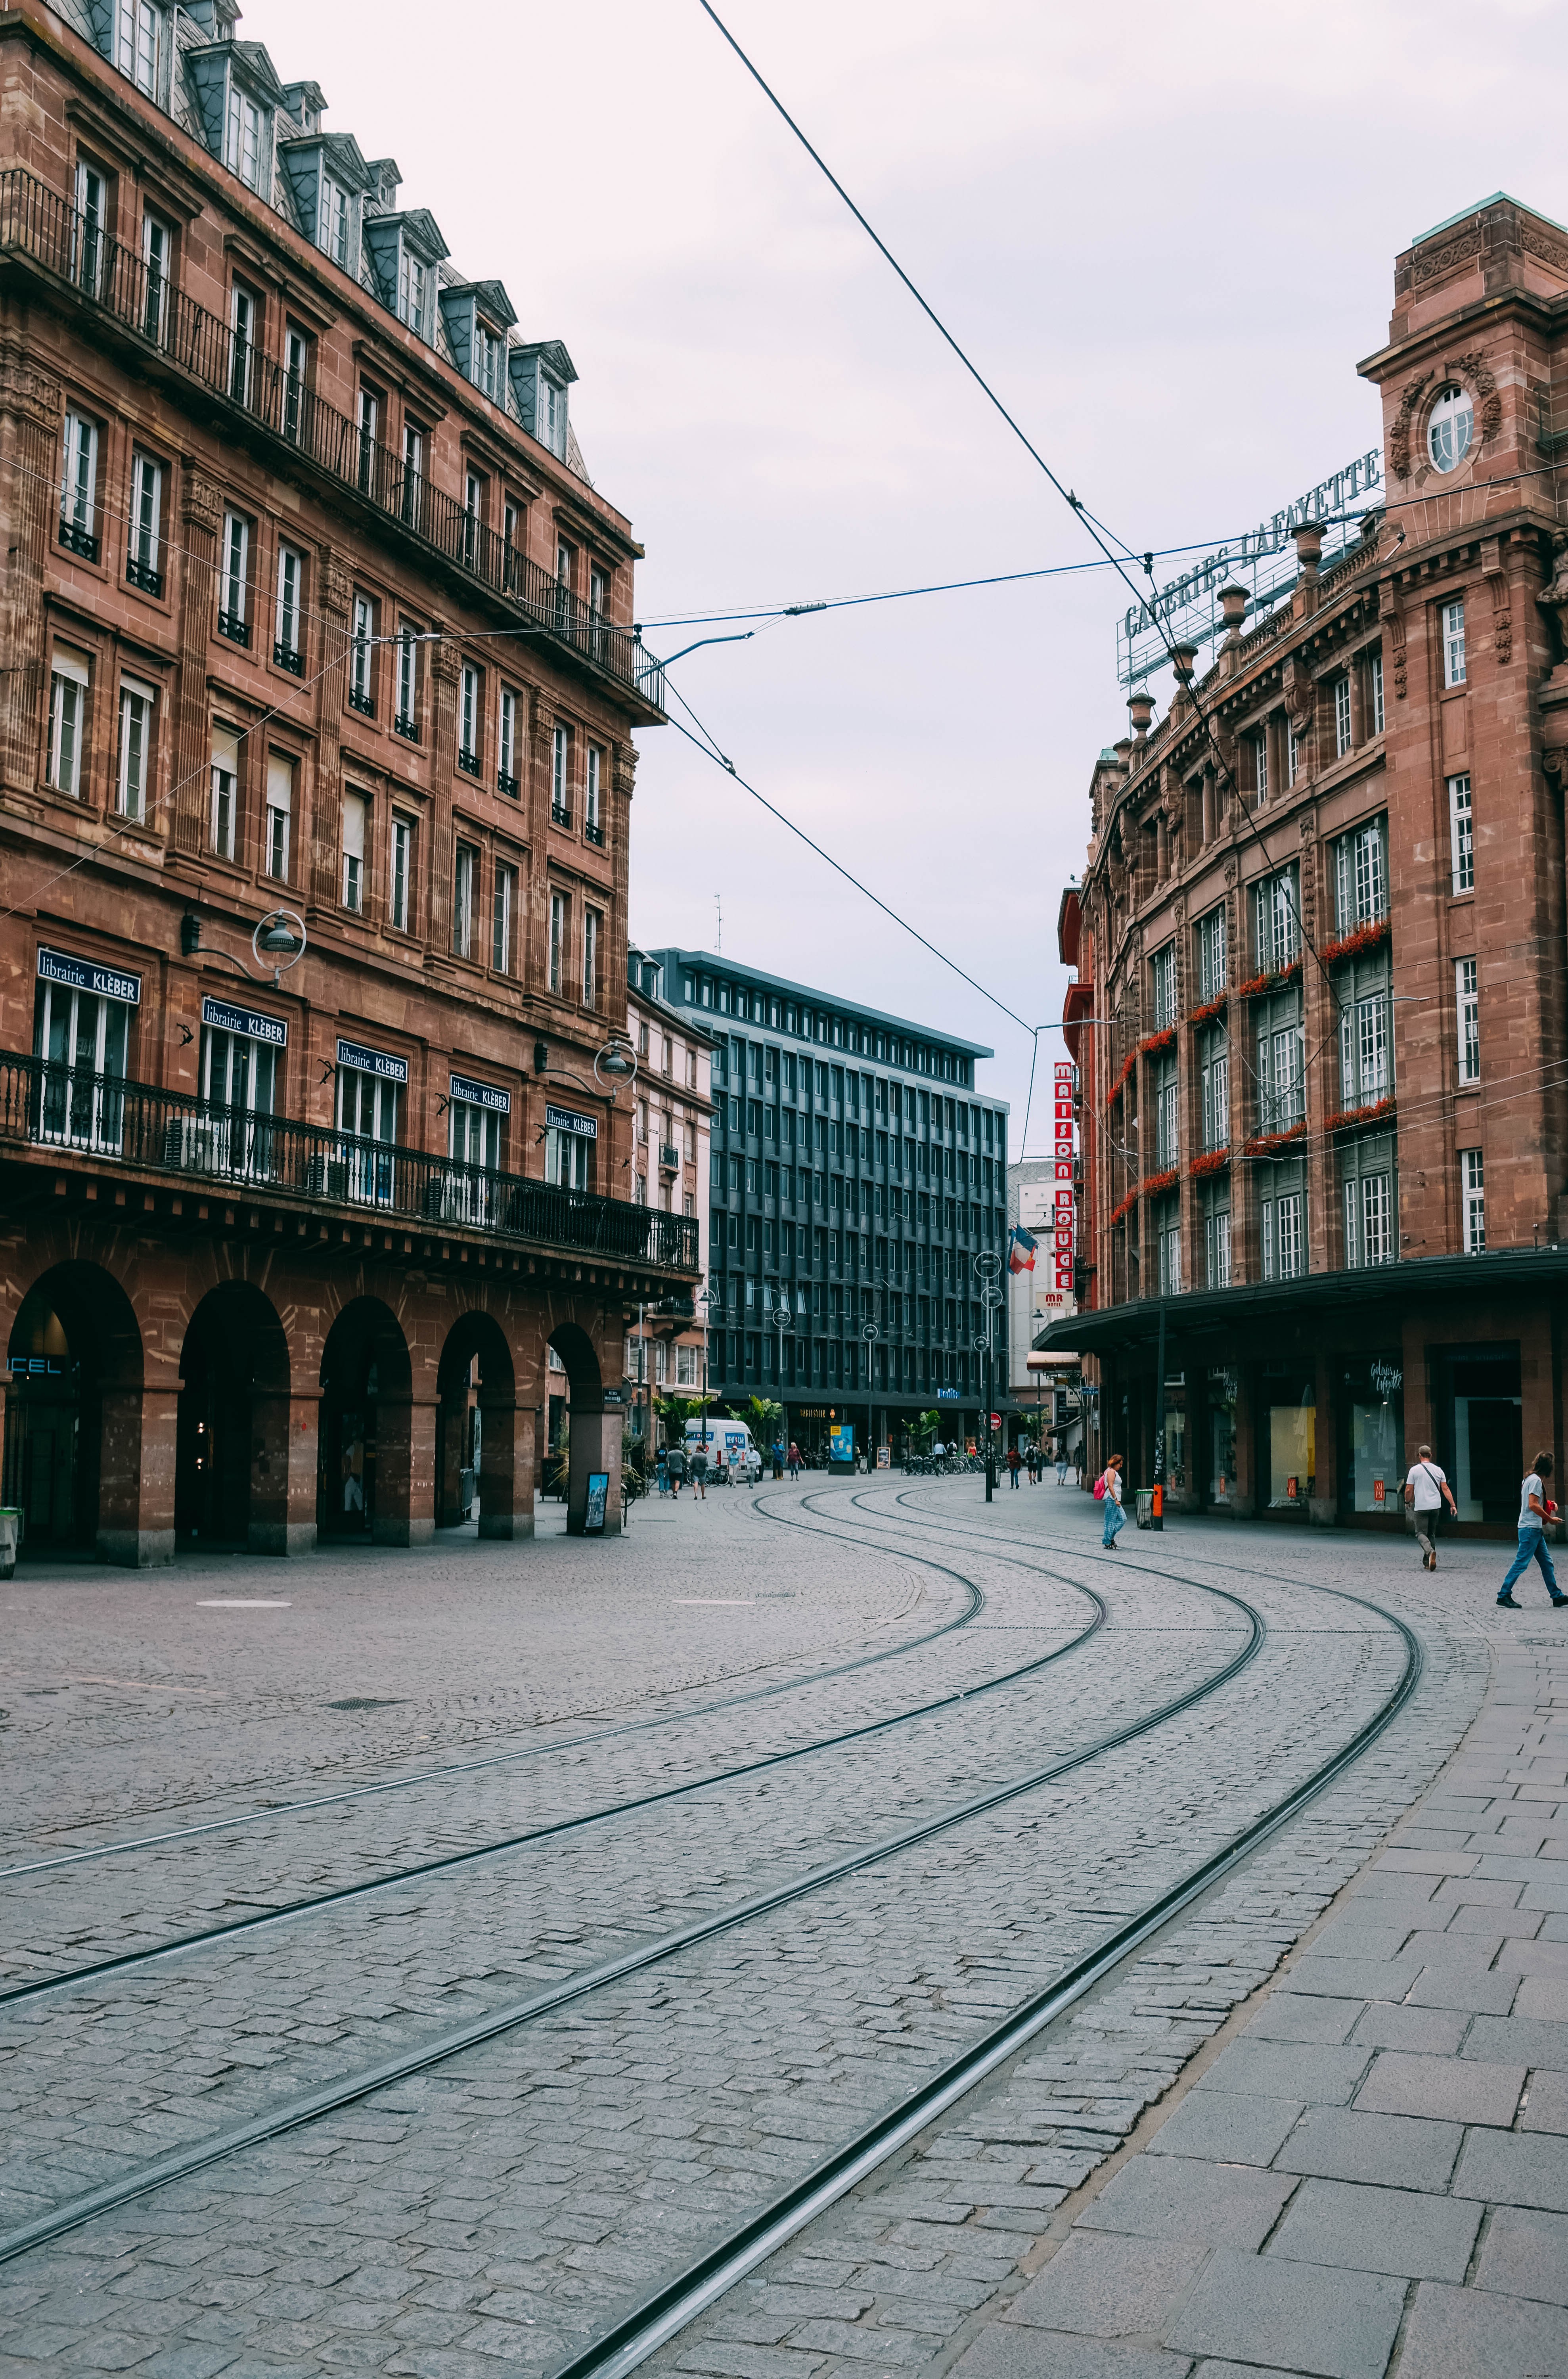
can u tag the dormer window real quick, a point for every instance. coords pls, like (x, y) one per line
(412, 294)
(242, 139)
(333, 236)
(489, 374)
(139, 44)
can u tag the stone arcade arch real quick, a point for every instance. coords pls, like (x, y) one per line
(476, 1382)
(231, 1438)
(595, 1431)
(74, 1412)
(366, 1443)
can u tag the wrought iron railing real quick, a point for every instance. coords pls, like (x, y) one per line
(36, 221)
(46, 1103)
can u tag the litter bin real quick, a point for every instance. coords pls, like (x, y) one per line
(1145, 1507)
(10, 1537)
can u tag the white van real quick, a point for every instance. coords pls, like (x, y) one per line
(730, 1438)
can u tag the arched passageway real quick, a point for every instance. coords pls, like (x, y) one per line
(592, 1432)
(477, 1427)
(73, 1453)
(231, 1439)
(364, 1446)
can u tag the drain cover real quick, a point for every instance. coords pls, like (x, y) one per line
(369, 1701)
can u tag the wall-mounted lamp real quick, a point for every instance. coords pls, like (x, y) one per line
(190, 933)
(541, 1056)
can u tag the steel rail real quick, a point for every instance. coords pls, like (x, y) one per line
(94, 1970)
(504, 1759)
(349, 2089)
(672, 2308)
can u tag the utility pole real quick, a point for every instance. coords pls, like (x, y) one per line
(987, 1269)
(1157, 1516)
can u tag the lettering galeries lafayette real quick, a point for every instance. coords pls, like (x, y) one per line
(1066, 1212)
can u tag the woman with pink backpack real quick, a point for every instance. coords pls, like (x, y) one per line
(1108, 1491)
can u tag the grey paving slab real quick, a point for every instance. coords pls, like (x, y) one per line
(1394, 2151)
(1299, 2016)
(1513, 2168)
(1105, 2285)
(1180, 2197)
(1518, 2039)
(1477, 2334)
(1450, 2088)
(1264, 2069)
(1546, 2103)
(1433, 2032)
(1393, 2230)
(1227, 2127)
(1526, 2254)
(1309, 2318)
(1004, 2351)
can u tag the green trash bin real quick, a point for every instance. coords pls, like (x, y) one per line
(1145, 1499)
(10, 1538)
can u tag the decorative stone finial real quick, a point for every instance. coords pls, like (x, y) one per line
(1309, 547)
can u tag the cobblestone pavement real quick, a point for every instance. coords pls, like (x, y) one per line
(507, 2203)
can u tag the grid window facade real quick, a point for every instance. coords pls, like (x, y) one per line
(1216, 1092)
(1342, 714)
(1369, 1220)
(1211, 974)
(225, 818)
(354, 811)
(1277, 930)
(1216, 1248)
(1261, 764)
(1462, 833)
(502, 910)
(556, 939)
(68, 721)
(234, 585)
(464, 872)
(1468, 1002)
(1284, 1244)
(1361, 876)
(590, 958)
(279, 815)
(1164, 971)
(1473, 1189)
(1454, 644)
(1366, 1073)
(408, 719)
(1376, 674)
(400, 888)
(1282, 1092)
(137, 703)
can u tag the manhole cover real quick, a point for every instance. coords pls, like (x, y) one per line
(369, 1701)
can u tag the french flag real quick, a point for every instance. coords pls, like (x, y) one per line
(1020, 1254)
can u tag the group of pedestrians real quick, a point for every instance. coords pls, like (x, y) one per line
(1427, 1493)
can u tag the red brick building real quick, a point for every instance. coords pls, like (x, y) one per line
(311, 614)
(1322, 955)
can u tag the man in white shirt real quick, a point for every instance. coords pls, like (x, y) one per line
(1536, 1508)
(1425, 1490)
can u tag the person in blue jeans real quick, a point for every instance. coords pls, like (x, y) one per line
(1535, 1510)
(1116, 1518)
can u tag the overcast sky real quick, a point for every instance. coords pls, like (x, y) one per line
(1166, 237)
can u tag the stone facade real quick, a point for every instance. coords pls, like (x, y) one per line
(310, 614)
(1318, 1019)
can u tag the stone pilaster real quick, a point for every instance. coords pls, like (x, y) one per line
(201, 517)
(30, 402)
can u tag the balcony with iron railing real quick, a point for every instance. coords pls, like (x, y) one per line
(60, 1110)
(40, 226)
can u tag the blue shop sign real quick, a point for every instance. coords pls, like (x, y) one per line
(247, 1020)
(562, 1119)
(373, 1061)
(82, 974)
(480, 1095)
(943, 1392)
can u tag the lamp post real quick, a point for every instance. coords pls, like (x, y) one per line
(278, 943)
(715, 1304)
(870, 1333)
(781, 1319)
(988, 1270)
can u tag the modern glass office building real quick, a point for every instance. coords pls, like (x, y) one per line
(856, 1174)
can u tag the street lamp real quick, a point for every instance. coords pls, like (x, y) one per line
(781, 1319)
(987, 1269)
(870, 1333)
(277, 944)
(711, 1298)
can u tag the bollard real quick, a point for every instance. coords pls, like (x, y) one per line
(1157, 1512)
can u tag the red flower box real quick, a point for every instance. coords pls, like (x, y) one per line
(1275, 1144)
(1262, 982)
(1354, 945)
(1214, 1160)
(1355, 1118)
(1154, 1185)
(1120, 1213)
(1215, 1008)
(1129, 1062)
(1156, 1041)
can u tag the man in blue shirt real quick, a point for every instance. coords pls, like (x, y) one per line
(1536, 1508)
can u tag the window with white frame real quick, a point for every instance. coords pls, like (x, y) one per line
(138, 46)
(279, 815)
(501, 907)
(473, 518)
(489, 350)
(88, 232)
(334, 223)
(561, 776)
(224, 816)
(233, 579)
(1164, 972)
(242, 144)
(1361, 876)
(685, 1367)
(157, 257)
(468, 720)
(144, 546)
(506, 750)
(1211, 975)
(1168, 1235)
(1280, 1052)
(408, 719)
(78, 485)
(1283, 1247)
(413, 473)
(556, 939)
(1454, 644)
(591, 794)
(361, 657)
(1368, 1219)
(286, 650)
(1166, 1150)
(1342, 714)
(1366, 1073)
(1261, 764)
(590, 958)
(1462, 833)
(1473, 1189)
(1450, 427)
(243, 313)
(138, 708)
(1276, 914)
(1215, 1071)
(1467, 1001)
(67, 722)
(355, 810)
(297, 380)
(1377, 687)
(413, 293)
(1216, 1246)
(400, 887)
(463, 876)
(473, 1138)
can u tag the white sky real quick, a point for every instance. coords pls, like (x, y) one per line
(1165, 235)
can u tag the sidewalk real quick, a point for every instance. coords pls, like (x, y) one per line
(1371, 2178)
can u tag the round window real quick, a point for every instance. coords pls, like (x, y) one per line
(1449, 430)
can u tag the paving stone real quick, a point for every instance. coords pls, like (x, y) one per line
(1309, 2317)
(1227, 2127)
(1513, 2168)
(1514, 2039)
(1477, 2334)
(1394, 2151)
(1435, 2032)
(1525, 2254)
(1392, 2230)
(1178, 2197)
(1450, 2088)
(1103, 2285)
(1546, 2103)
(1316, 2076)
(1293, 2015)
(1004, 2351)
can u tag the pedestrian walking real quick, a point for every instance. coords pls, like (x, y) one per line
(778, 1459)
(699, 1474)
(1425, 1487)
(794, 1459)
(1110, 1492)
(662, 1470)
(1061, 1465)
(676, 1465)
(1015, 1464)
(1536, 1508)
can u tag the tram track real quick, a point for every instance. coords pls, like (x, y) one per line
(275, 2122)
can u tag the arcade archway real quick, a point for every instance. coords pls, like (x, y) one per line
(74, 1377)
(235, 1382)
